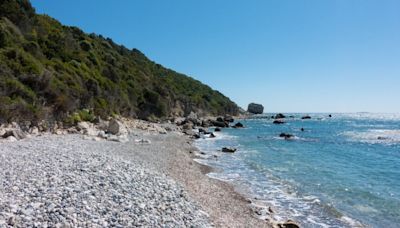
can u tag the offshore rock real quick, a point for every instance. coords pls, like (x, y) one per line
(238, 125)
(255, 108)
(228, 149)
(278, 122)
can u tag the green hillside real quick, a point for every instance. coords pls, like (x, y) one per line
(51, 71)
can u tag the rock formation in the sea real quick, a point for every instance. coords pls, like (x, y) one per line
(306, 117)
(228, 149)
(278, 121)
(279, 116)
(238, 125)
(286, 136)
(229, 119)
(255, 108)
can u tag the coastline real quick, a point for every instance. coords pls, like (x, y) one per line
(225, 206)
(169, 154)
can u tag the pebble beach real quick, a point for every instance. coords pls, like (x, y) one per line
(149, 180)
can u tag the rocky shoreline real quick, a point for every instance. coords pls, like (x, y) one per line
(120, 172)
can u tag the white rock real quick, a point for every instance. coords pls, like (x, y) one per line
(11, 139)
(59, 132)
(83, 125)
(102, 134)
(121, 138)
(90, 131)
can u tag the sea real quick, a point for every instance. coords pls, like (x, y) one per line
(340, 171)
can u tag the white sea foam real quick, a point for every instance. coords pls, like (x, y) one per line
(374, 136)
(369, 116)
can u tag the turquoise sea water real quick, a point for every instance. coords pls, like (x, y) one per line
(336, 173)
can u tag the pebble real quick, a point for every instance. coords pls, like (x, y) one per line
(66, 181)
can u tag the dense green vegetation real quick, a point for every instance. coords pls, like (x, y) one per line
(52, 71)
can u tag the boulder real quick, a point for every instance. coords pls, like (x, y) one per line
(280, 116)
(192, 117)
(217, 129)
(118, 138)
(116, 128)
(102, 134)
(90, 131)
(81, 126)
(278, 122)
(202, 130)
(162, 130)
(255, 108)
(179, 121)
(18, 134)
(34, 131)
(238, 125)
(187, 126)
(102, 124)
(11, 139)
(205, 123)
(25, 125)
(212, 135)
(289, 224)
(286, 136)
(189, 132)
(219, 123)
(229, 119)
(306, 117)
(220, 119)
(329, 115)
(228, 149)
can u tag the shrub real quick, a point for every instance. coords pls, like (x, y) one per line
(85, 45)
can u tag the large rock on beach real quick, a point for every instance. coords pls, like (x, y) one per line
(16, 133)
(219, 123)
(229, 119)
(192, 117)
(289, 224)
(116, 128)
(255, 108)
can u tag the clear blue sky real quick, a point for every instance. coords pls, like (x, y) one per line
(291, 56)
